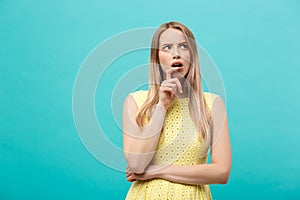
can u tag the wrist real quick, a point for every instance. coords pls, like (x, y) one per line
(162, 105)
(155, 171)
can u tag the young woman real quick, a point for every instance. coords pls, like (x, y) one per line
(169, 129)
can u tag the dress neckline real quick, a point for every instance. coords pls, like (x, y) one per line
(182, 99)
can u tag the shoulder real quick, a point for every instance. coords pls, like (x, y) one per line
(210, 98)
(139, 96)
(139, 93)
(215, 103)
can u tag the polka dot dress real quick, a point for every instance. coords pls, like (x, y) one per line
(179, 144)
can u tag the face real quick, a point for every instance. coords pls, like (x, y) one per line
(174, 51)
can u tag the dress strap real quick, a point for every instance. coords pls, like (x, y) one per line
(210, 99)
(140, 97)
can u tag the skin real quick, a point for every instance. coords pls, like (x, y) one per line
(173, 47)
(216, 172)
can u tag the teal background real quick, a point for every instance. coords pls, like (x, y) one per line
(254, 43)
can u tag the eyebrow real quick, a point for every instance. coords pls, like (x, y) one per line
(171, 43)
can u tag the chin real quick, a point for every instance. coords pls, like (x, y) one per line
(179, 75)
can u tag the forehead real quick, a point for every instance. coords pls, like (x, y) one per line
(171, 35)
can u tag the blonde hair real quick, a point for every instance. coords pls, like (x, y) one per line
(198, 108)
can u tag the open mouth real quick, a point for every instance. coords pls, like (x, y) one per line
(177, 64)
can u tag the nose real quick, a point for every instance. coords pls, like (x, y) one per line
(176, 54)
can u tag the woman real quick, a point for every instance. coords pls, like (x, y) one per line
(168, 130)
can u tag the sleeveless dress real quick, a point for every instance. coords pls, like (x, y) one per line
(179, 144)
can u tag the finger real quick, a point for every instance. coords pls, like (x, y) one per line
(171, 85)
(129, 174)
(131, 178)
(170, 71)
(174, 83)
(176, 80)
(167, 89)
(168, 84)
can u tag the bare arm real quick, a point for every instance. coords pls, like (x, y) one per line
(140, 144)
(216, 172)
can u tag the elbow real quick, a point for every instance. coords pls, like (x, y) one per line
(138, 163)
(224, 180)
(134, 165)
(224, 175)
(136, 168)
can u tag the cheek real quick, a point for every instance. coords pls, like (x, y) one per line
(163, 59)
(161, 56)
(186, 57)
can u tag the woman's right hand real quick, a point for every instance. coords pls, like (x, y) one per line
(169, 88)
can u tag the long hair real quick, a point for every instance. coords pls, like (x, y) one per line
(199, 111)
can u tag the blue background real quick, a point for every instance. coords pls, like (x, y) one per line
(254, 43)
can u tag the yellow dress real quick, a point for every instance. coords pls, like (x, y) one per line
(179, 144)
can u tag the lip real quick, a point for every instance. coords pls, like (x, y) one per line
(176, 63)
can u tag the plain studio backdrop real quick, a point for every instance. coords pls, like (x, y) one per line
(255, 45)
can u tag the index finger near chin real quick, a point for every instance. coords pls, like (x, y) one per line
(169, 72)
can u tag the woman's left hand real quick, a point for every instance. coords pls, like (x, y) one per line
(130, 176)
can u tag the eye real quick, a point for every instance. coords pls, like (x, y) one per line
(183, 46)
(166, 47)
